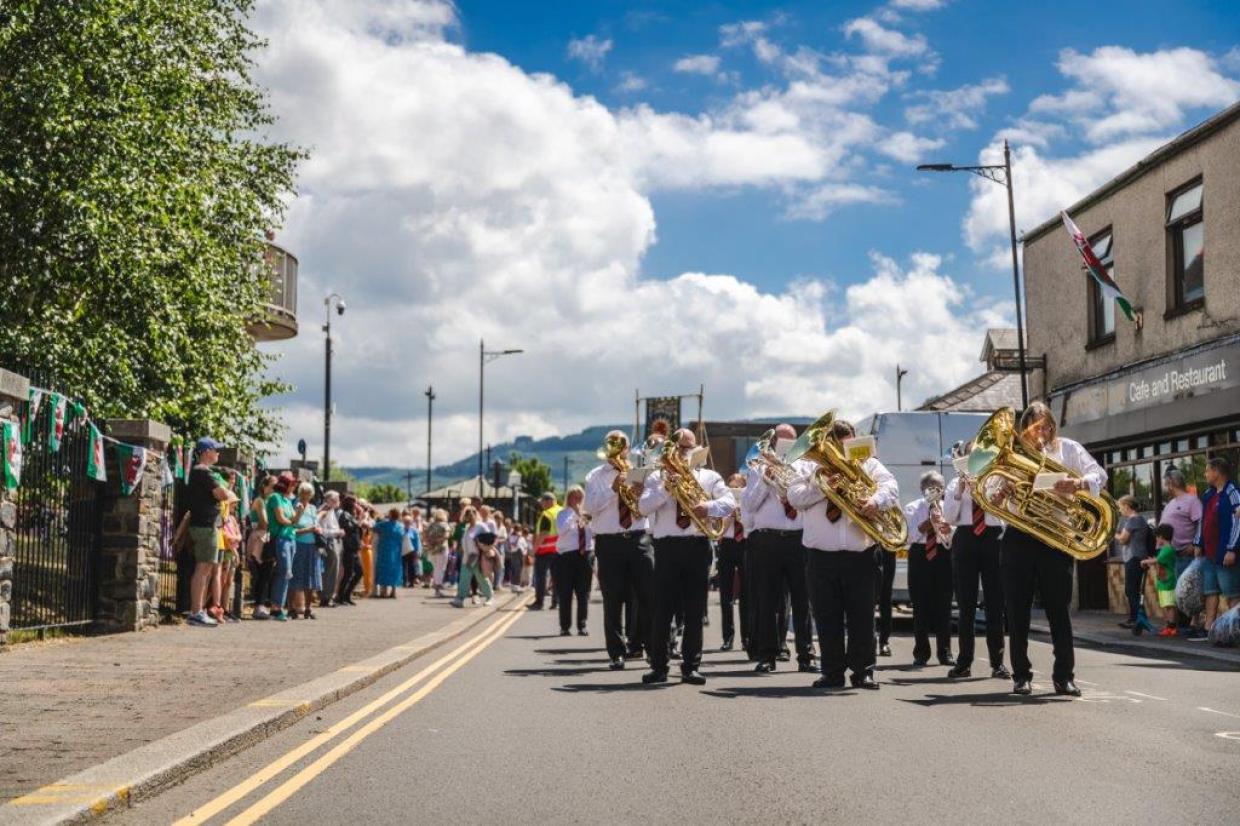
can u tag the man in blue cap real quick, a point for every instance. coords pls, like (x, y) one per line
(205, 494)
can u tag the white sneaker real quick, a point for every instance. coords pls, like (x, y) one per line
(489, 602)
(261, 612)
(202, 618)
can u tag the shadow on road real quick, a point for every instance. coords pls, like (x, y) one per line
(774, 691)
(531, 636)
(636, 685)
(927, 680)
(993, 699)
(551, 672)
(1194, 665)
(558, 651)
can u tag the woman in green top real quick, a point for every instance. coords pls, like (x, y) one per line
(281, 520)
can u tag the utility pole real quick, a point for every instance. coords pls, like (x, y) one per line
(430, 403)
(409, 484)
(566, 475)
(900, 374)
(327, 382)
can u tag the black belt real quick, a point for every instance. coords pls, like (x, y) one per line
(778, 532)
(622, 535)
(690, 538)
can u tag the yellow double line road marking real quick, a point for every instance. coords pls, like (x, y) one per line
(462, 655)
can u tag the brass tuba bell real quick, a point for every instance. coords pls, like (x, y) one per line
(684, 487)
(615, 452)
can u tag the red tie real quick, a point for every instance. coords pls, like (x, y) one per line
(833, 513)
(789, 511)
(581, 538)
(738, 530)
(979, 520)
(682, 518)
(626, 516)
(932, 542)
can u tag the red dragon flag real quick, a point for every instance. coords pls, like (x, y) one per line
(11, 454)
(57, 409)
(1106, 283)
(132, 461)
(95, 467)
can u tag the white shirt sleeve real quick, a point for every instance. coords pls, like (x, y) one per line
(888, 493)
(1077, 458)
(720, 502)
(756, 492)
(599, 494)
(653, 495)
(951, 505)
(804, 493)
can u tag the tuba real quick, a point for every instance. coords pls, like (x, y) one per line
(762, 458)
(614, 452)
(853, 485)
(1079, 526)
(686, 490)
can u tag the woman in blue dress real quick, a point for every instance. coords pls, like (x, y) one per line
(307, 572)
(389, 539)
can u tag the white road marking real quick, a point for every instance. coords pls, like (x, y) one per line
(1228, 735)
(1146, 696)
(1216, 711)
(1086, 682)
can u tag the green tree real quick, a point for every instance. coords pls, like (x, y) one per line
(384, 492)
(136, 185)
(535, 474)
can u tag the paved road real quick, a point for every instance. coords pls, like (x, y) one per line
(528, 727)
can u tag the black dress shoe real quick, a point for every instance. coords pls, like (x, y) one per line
(651, 677)
(764, 667)
(946, 659)
(1127, 625)
(959, 671)
(564, 632)
(634, 654)
(829, 682)
(727, 645)
(534, 606)
(1022, 687)
(1068, 688)
(617, 664)
(582, 632)
(693, 678)
(807, 668)
(919, 662)
(884, 650)
(1000, 672)
(784, 656)
(865, 681)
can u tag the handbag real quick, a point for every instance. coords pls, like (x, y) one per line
(406, 545)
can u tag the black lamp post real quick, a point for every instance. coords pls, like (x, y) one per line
(333, 298)
(430, 402)
(1000, 174)
(485, 357)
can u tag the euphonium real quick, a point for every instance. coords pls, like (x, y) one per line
(851, 485)
(762, 458)
(686, 490)
(614, 452)
(1079, 525)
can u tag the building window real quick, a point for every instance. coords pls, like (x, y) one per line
(1101, 310)
(1186, 242)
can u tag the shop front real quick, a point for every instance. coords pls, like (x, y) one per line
(1144, 419)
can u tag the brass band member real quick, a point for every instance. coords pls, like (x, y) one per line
(625, 557)
(975, 553)
(574, 561)
(682, 557)
(730, 565)
(840, 569)
(929, 575)
(1029, 563)
(779, 563)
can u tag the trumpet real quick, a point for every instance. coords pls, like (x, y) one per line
(943, 532)
(683, 486)
(613, 452)
(762, 458)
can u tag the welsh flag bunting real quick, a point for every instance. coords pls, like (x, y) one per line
(169, 480)
(32, 413)
(1105, 282)
(12, 457)
(132, 461)
(183, 463)
(243, 494)
(95, 467)
(57, 408)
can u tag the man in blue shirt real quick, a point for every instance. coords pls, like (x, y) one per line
(1217, 537)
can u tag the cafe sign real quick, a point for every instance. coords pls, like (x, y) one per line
(1168, 381)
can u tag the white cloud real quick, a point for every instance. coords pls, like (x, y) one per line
(885, 41)
(955, 108)
(907, 147)
(452, 197)
(752, 33)
(918, 5)
(820, 201)
(698, 64)
(631, 82)
(590, 50)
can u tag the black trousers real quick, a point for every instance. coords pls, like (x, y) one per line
(750, 603)
(681, 578)
(350, 573)
(841, 588)
(262, 572)
(625, 566)
(1029, 564)
(573, 573)
(886, 579)
(930, 586)
(780, 559)
(730, 563)
(542, 569)
(1134, 583)
(973, 557)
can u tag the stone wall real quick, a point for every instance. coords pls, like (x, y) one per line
(129, 549)
(14, 390)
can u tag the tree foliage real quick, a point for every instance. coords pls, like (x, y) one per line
(535, 474)
(136, 185)
(383, 492)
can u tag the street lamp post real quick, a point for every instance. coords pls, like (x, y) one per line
(333, 298)
(514, 483)
(1000, 174)
(485, 357)
(430, 402)
(900, 374)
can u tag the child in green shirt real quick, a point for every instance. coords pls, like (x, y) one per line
(1163, 564)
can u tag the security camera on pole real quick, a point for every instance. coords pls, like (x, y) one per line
(333, 298)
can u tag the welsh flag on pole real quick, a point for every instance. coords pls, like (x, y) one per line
(133, 461)
(12, 454)
(1105, 282)
(56, 411)
(32, 413)
(95, 467)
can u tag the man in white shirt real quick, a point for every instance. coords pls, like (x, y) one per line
(929, 579)
(682, 557)
(841, 567)
(779, 561)
(625, 560)
(975, 553)
(730, 565)
(574, 561)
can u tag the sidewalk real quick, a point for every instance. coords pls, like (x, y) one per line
(70, 704)
(1101, 628)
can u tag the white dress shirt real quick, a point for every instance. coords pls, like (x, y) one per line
(661, 507)
(915, 513)
(603, 503)
(568, 541)
(765, 509)
(1076, 458)
(841, 535)
(960, 511)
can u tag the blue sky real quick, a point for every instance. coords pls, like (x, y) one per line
(661, 196)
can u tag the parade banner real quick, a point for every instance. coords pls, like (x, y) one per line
(665, 409)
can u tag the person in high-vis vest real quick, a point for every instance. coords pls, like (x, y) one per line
(545, 538)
